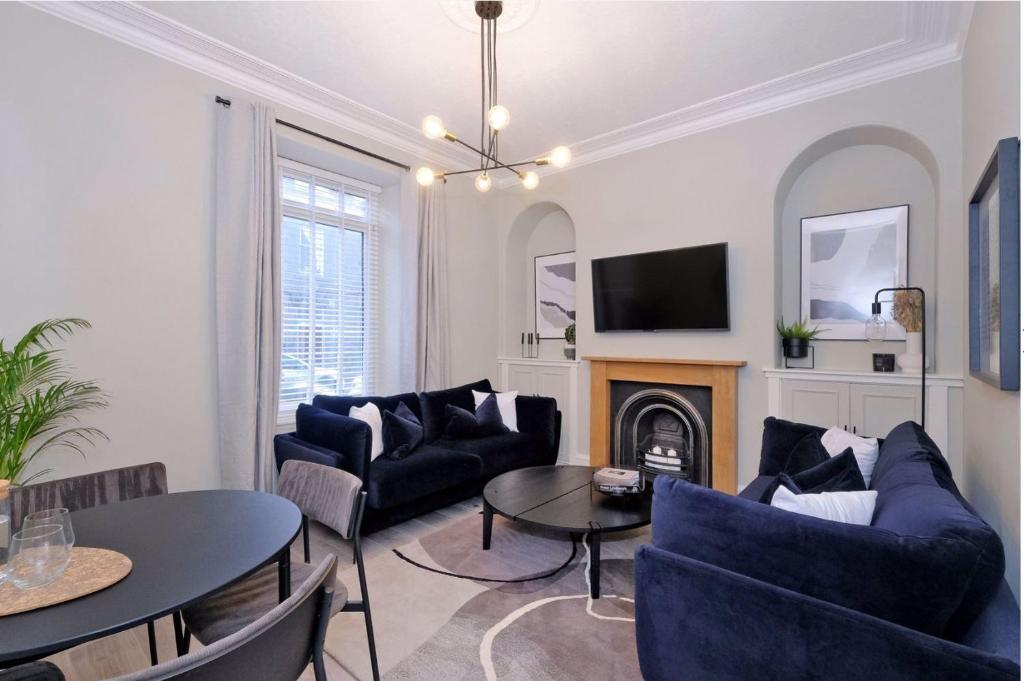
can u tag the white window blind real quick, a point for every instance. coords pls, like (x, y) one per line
(329, 285)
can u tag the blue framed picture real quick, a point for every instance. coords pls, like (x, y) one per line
(994, 241)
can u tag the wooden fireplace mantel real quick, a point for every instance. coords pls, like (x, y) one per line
(719, 375)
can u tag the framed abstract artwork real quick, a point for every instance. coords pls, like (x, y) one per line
(554, 293)
(994, 271)
(844, 259)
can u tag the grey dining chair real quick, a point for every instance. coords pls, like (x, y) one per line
(89, 490)
(328, 495)
(277, 646)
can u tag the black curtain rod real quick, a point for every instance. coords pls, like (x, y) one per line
(227, 104)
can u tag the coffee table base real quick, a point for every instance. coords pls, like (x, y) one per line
(562, 499)
(592, 539)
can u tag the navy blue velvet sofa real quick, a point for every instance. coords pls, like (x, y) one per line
(439, 472)
(736, 589)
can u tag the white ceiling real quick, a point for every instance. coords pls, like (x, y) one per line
(595, 75)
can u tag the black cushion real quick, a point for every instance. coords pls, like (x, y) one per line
(505, 452)
(431, 469)
(461, 425)
(839, 473)
(807, 453)
(432, 404)
(488, 417)
(340, 404)
(402, 432)
(778, 440)
(465, 425)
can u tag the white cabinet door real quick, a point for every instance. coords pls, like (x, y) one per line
(522, 377)
(877, 409)
(819, 403)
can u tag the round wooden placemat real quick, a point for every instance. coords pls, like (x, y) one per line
(88, 571)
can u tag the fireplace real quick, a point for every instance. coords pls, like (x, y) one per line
(686, 405)
(662, 429)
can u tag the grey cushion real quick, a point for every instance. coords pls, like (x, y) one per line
(241, 604)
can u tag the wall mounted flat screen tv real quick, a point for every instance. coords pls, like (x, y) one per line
(680, 289)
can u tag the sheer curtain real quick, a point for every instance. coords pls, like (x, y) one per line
(433, 368)
(248, 242)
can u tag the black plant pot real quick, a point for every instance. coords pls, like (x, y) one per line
(795, 348)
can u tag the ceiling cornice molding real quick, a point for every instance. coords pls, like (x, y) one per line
(934, 34)
(151, 32)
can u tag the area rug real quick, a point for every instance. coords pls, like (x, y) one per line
(432, 626)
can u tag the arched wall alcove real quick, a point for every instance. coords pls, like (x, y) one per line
(853, 169)
(541, 229)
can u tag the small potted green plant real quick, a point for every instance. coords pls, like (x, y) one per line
(796, 337)
(570, 341)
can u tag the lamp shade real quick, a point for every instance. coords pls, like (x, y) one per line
(875, 326)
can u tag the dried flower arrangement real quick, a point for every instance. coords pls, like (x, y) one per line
(906, 310)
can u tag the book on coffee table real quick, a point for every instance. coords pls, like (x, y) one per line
(618, 481)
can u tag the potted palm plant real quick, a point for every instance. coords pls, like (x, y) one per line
(796, 337)
(570, 341)
(40, 401)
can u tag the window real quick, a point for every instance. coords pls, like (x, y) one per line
(329, 259)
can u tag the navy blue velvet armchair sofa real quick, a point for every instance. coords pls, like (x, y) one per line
(736, 589)
(440, 471)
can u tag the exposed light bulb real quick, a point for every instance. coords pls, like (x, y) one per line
(498, 117)
(560, 156)
(530, 179)
(483, 182)
(433, 127)
(875, 326)
(425, 176)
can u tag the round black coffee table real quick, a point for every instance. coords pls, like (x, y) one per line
(561, 498)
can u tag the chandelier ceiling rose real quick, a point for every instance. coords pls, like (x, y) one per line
(494, 118)
(515, 14)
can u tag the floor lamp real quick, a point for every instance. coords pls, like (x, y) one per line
(875, 330)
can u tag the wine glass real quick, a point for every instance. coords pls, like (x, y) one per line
(53, 516)
(38, 556)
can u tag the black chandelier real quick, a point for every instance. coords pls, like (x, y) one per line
(493, 119)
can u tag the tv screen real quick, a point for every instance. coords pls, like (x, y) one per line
(684, 288)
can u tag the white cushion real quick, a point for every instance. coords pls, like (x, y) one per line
(370, 414)
(855, 508)
(506, 405)
(865, 449)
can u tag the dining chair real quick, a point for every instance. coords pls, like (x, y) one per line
(33, 671)
(278, 646)
(328, 495)
(89, 490)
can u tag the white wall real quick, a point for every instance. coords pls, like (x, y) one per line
(991, 111)
(106, 189)
(721, 185)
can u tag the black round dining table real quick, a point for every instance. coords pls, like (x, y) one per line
(183, 547)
